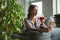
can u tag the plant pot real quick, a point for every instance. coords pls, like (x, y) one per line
(57, 19)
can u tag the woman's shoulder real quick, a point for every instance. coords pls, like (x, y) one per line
(25, 19)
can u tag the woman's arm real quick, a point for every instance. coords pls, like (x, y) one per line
(47, 28)
(30, 28)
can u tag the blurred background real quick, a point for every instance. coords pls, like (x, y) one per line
(12, 13)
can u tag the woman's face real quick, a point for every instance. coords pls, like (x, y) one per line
(34, 11)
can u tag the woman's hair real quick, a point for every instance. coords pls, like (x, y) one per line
(31, 7)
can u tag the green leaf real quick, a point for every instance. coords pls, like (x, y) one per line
(11, 17)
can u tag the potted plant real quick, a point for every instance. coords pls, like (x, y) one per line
(57, 15)
(57, 18)
(11, 16)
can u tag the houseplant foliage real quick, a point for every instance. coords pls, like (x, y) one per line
(11, 17)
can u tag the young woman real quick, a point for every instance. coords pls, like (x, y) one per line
(31, 23)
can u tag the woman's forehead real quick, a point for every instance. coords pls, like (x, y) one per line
(36, 8)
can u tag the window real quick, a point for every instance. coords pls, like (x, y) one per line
(56, 7)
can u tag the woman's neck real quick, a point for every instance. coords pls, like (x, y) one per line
(33, 19)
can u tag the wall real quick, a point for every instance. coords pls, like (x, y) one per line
(47, 8)
(24, 4)
(35, 0)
